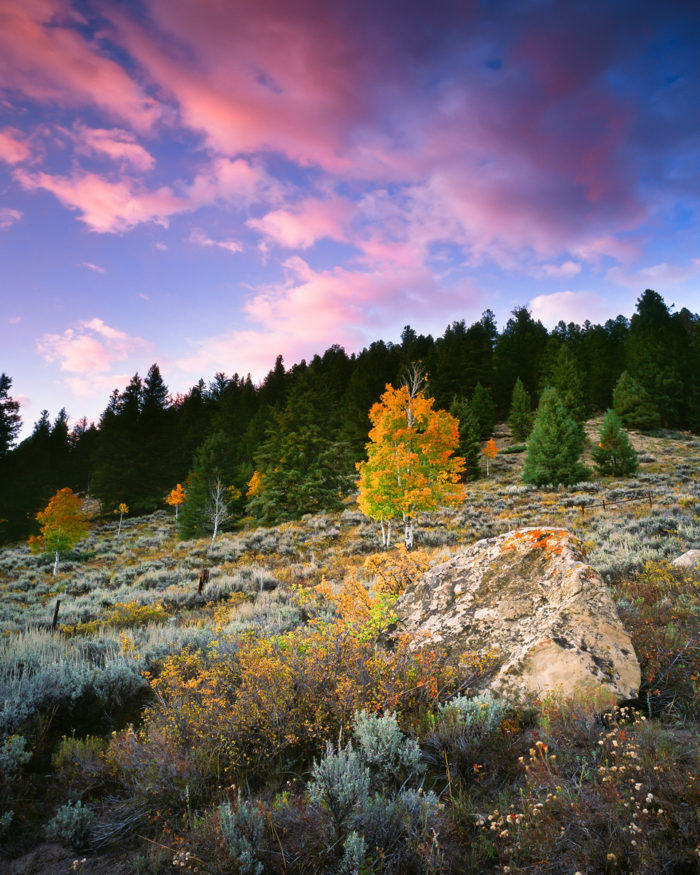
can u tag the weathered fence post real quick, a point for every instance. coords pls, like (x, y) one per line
(54, 624)
(203, 580)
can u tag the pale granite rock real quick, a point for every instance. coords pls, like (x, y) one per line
(689, 559)
(531, 595)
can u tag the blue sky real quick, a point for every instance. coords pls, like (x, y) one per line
(207, 185)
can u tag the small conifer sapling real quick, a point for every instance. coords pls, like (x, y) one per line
(614, 453)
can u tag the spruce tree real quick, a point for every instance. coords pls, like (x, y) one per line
(212, 470)
(555, 445)
(10, 420)
(484, 411)
(521, 417)
(301, 465)
(565, 377)
(468, 437)
(633, 404)
(614, 454)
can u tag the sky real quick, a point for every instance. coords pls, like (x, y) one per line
(209, 184)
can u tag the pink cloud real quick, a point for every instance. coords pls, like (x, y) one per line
(108, 206)
(571, 307)
(8, 217)
(91, 346)
(13, 149)
(297, 318)
(301, 226)
(117, 144)
(93, 267)
(201, 239)
(656, 275)
(115, 206)
(44, 57)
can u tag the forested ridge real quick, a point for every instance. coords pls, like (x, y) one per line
(307, 426)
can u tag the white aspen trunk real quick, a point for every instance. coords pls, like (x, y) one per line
(381, 523)
(119, 529)
(487, 466)
(177, 508)
(55, 564)
(408, 532)
(388, 534)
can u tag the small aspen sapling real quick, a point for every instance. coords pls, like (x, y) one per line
(121, 510)
(490, 451)
(176, 497)
(63, 524)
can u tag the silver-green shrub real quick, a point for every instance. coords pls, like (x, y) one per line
(391, 756)
(340, 785)
(483, 713)
(72, 825)
(242, 828)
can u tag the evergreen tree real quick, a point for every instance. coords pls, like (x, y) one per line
(657, 350)
(484, 411)
(565, 377)
(210, 493)
(521, 418)
(155, 426)
(633, 404)
(518, 353)
(614, 454)
(555, 445)
(10, 420)
(301, 466)
(468, 447)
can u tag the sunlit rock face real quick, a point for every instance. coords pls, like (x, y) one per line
(531, 596)
(690, 559)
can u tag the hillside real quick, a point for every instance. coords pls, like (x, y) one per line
(187, 731)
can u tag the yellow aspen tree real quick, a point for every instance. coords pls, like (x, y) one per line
(63, 524)
(176, 497)
(490, 451)
(121, 510)
(411, 466)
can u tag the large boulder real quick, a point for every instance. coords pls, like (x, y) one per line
(689, 559)
(531, 596)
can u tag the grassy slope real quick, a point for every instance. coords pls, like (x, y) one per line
(128, 601)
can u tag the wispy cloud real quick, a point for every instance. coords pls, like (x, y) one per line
(13, 147)
(93, 267)
(90, 347)
(8, 217)
(199, 238)
(656, 275)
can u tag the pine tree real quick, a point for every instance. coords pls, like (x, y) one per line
(303, 467)
(484, 411)
(633, 404)
(614, 454)
(565, 377)
(468, 447)
(211, 495)
(10, 420)
(555, 445)
(521, 417)
(154, 430)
